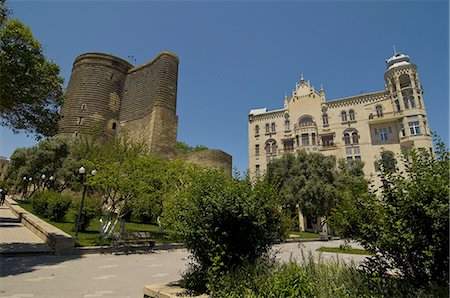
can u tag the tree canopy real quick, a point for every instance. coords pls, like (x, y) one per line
(30, 86)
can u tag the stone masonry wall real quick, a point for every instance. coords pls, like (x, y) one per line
(148, 110)
(211, 158)
(94, 95)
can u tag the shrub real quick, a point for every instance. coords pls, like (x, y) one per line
(39, 202)
(313, 278)
(51, 204)
(57, 207)
(91, 209)
(224, 222)
(406, 225)
(145, 209)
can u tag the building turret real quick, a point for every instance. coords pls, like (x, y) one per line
(406, 93)
(94, 96)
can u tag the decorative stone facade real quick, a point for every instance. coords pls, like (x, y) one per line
(107, 97)
(362, 127)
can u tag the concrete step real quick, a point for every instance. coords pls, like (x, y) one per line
(9, 219)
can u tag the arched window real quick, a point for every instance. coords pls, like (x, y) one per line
(83, 106)
(405, 81)
(347, 139)
(325, 119)
(351, 115)
(397, 105)
(271, 147)
(287, 125)
(306, 121)
(114, 125)
(267, 128)
(412, 102)
(273, 127)
(379, 110)
(257, 130)
(344, 116)
(405, 102)
(355, 137)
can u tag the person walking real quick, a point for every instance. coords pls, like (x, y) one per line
(3, 194)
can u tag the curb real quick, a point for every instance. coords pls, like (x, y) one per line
(107, 249)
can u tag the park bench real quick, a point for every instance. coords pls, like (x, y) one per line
(132, 240)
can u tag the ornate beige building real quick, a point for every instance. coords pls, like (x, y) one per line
(362, 127)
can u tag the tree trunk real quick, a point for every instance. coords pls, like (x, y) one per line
(301, 222)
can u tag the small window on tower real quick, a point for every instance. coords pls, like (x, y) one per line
(83, 106)
(114, 125)
(80, 120)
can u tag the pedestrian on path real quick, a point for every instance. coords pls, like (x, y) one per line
(3, 194)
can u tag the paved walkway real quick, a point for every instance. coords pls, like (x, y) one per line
(15, 238)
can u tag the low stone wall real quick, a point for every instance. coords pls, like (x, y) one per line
(61, 242)
(170, 290)
(211, 158)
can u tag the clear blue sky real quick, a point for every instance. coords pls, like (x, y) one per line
(235, 56)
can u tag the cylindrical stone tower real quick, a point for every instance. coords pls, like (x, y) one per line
(94, 96)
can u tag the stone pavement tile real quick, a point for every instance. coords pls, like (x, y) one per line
(16, 238)
(6, 215)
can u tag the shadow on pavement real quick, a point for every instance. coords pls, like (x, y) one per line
(15, 265)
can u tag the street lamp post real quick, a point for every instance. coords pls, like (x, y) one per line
(43, 181)
(51, 178)
(82, 172)
(25, 187)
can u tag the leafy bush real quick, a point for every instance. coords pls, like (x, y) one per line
(224, 222)
(57, 207)
(51, 204)
(406, 225)
(313, 278)
(145, 209)
(91, 209)
(39, 202)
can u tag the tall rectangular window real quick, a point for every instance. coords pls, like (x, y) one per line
(288, 145)
(402, 130)
(257, 170)
(305, 139)
(384, 134)
(414, 128)
(397, 104)
(80, 120)
(313, 139)
(257, 150)
(327, 141)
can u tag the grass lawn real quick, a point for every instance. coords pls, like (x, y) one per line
(305, 235)
(91, 236)
(353, 251)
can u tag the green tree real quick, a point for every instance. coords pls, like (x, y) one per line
(406, 223)
(46, 158)
(306, 181)
(30, 85)
(223, 221)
